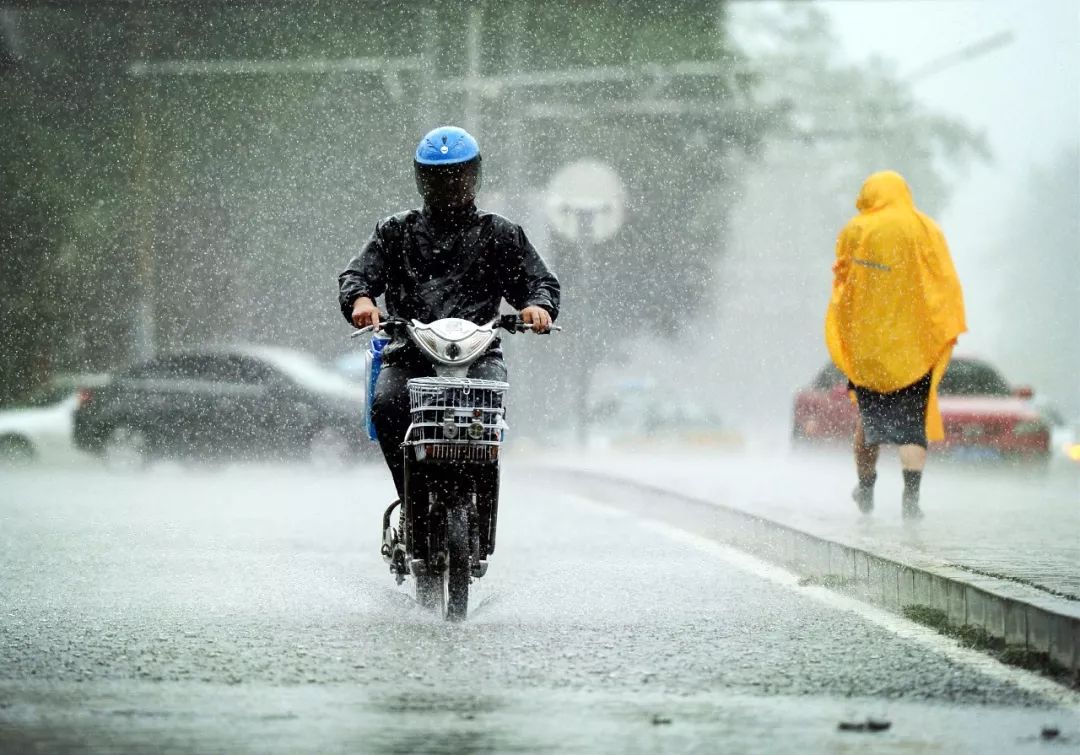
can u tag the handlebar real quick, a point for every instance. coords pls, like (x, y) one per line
(509, 323)
(514, 324)
(385, 323)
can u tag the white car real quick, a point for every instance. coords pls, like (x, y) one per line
(39, 429)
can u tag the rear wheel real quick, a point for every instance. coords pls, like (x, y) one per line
(430, 588)
(15, 449)
(125, 449)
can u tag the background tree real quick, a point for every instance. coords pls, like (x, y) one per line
(845, 120)
(63, 162)
(228, 200)
(1039, 254)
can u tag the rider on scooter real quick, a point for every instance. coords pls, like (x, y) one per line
(447, 259)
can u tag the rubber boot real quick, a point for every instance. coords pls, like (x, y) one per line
(863, 494)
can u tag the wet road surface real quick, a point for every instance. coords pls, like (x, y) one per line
(246, 610)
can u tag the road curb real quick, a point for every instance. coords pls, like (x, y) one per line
(1020, 616)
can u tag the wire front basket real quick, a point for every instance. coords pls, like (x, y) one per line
(456, 419)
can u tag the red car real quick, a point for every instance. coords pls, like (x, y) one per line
(984, 417)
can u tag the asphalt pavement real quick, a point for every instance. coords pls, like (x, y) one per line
(247, 610)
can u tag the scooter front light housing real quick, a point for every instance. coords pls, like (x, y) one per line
(452, 341)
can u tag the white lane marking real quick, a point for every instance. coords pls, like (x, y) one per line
(929, 638)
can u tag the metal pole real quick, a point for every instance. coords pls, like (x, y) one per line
(145, 329)
(584, 220)
(473, 42)
(585, 365)
(964, 54)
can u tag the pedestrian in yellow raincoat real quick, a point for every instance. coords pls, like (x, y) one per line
(894, 316)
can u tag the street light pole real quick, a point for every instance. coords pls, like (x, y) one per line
(963, 55)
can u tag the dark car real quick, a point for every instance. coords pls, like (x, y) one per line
(984, 416)
(239, 402)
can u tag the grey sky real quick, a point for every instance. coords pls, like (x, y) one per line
(1026, 96)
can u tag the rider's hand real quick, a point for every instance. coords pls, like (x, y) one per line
(364, 313)
(538, 317)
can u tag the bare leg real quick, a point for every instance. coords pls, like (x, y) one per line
(866, 457)
(913, 458)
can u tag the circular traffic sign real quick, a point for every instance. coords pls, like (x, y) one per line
(585, 201)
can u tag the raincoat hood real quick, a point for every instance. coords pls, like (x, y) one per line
(896, 307)
(885, 189)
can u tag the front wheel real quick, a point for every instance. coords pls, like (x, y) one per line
(459, 571)
(447, 592)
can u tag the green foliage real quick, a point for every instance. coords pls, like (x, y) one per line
(667, 132)
(28, 251)
(63, 161)
(234, 200)
(569, 33)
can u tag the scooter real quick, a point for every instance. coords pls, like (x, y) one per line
(451, 449)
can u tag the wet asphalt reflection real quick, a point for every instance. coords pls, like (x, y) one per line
(247, 610)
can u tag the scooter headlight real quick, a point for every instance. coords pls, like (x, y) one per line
(476, 430)
(450, 430)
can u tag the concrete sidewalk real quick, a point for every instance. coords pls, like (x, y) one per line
(1016, 524)
(999, 549)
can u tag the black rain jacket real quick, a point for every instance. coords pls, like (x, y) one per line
(430, 268)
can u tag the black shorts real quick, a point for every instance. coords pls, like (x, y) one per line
(897, 418)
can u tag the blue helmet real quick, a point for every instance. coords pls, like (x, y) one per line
(447, 145)
(447, 167)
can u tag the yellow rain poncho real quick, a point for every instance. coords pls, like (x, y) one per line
(896, 306)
